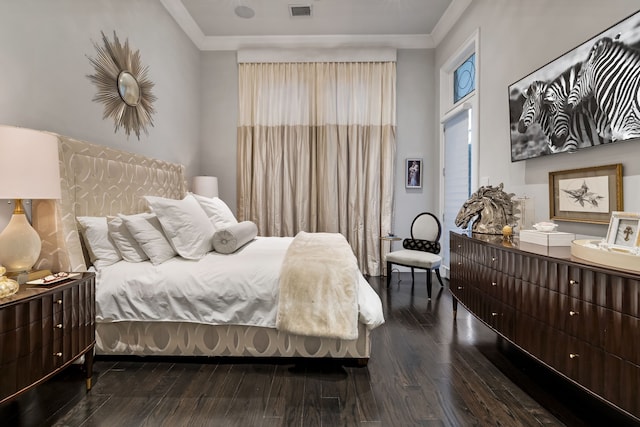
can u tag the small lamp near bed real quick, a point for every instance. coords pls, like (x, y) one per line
(29, 169)
(206, 186)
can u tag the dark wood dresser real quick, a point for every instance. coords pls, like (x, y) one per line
(43, 329)
(581, 320)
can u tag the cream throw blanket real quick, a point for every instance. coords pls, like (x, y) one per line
(318, 287)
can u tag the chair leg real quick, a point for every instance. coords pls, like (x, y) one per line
(439, 277)
(412, 277)
(388, 274)
(428, 284)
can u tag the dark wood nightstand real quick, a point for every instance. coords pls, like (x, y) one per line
(44, 329)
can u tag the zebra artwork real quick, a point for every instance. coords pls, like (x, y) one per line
(571, 129)
(589, 96)
(532, 109)
(563, 130)
(611, 76)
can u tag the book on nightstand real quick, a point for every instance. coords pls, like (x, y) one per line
(24, 277)
(547, 238)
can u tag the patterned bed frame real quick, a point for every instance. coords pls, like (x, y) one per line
(101, 181)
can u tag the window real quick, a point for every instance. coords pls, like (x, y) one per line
(464, 78)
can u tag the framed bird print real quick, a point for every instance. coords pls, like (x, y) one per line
(586, 195)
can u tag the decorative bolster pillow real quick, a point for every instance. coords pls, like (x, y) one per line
(234, 237)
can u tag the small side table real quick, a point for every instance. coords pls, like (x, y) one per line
(388, 238)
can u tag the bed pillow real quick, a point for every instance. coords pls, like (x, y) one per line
(147, 231)
(218, 212)
(232, 238)
(102, 250)
(185, 224)
(129, 248)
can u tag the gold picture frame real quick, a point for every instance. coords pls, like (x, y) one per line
(624, 231)
(586, 195)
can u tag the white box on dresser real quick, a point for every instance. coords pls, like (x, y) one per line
(547, 238)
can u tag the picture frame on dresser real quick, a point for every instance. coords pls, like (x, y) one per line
(624, 231)
(588, 194)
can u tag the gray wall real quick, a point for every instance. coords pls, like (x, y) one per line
(516, 38)
(44, 63)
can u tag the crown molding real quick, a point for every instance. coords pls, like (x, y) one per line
(232, 43)
(449, 19)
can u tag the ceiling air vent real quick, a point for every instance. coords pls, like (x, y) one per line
(299, 11)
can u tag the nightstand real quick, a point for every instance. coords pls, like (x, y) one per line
(44, 329)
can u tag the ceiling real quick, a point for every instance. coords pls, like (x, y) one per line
(402, 24)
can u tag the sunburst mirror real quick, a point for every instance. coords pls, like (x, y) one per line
(123, 86)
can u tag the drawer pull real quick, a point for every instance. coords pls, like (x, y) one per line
(493, 313)
(494, 284)
(573, 355)
(573, 282)
(59, 302)
(58, 354)
(460, 288)
(573, 313)
(459, 246)
(59, 326)
(493, 259)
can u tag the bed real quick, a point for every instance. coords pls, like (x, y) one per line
(99, 182)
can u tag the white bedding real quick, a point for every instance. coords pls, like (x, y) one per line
(239, 289)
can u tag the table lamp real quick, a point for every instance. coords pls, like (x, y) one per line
(29, 169)
(205, 186)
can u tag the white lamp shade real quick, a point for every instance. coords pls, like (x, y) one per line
(30, 164)
(206, 186)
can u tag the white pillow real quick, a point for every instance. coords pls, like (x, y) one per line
(102, 250)
(218, 212)
(147, 231)
(124, 241)
(233, 238)
(185, 225)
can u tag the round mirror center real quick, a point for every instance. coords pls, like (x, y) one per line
(128, 88)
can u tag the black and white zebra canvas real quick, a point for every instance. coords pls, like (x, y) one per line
(587, 97)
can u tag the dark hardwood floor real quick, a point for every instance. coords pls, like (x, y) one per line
(425, 370)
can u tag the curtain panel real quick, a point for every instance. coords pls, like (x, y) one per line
(316, 150)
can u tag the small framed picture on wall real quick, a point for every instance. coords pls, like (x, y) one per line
(413, 174)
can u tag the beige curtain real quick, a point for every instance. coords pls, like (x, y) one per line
(316, 149)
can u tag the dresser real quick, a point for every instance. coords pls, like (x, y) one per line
(43, 329)
(579, 319)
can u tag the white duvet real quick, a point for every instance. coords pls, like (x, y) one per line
(240, 289)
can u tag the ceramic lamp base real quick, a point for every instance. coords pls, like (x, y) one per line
(20, 244)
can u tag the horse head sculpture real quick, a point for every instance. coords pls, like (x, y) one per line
(492, 208)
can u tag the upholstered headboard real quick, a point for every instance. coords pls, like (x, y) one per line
(97, 181)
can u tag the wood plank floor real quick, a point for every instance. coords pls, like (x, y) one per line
(426, 370)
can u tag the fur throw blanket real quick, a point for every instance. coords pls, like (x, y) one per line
(318, 287)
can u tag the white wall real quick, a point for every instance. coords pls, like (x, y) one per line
(516, 38)
(44, 50)
(219, 89)
(415, 94)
